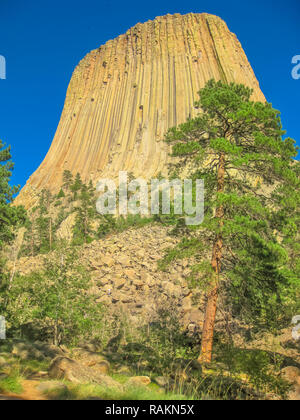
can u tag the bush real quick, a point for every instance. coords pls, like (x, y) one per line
(56, 300)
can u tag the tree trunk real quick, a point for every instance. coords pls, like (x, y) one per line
(212, 296)
(31, 244)
(55, 334)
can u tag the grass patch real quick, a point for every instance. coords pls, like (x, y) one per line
(11, 384)
(132, 393)
(31, 367)
(121, 378)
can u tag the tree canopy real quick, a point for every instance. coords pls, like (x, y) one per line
(10, 216)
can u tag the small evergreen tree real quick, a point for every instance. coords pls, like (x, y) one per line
(67, 180)
(76, 186)
(44, 223)
(85, 214)
(31, 241)
(10, 216)
(61, 194)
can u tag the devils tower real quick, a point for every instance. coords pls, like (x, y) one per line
(123, 96)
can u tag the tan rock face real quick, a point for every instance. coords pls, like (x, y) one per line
(125, 95)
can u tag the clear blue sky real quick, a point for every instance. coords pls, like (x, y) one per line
(43, 41)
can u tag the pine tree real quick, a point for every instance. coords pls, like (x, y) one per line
(61, 194)
(85, 213)
(67, 180)
(10, 216)
(44, 222)
(237, 147)
(76, 186)
(31, 241)
(288, 223)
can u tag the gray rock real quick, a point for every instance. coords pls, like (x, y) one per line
(105, 299)
(162, 381)
(26, 352)
(294, 394)
(108, 261)
(94, 347)
(138, 381)
(119, 283)
(124, 260)
(49, 350)
(91, 359)
(50, 386)
(2, 361)
(291, 374)
(75, 372)
(124, 370)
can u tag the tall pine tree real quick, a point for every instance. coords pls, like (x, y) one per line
(10, 216)
(237, 147)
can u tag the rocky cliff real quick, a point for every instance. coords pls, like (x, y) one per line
(124, 96)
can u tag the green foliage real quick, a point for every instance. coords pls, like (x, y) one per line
(85, 214)
(106, 226)
(31, 241)
(11, 384)
(10, 216)
(260, 368)
(91, 392)
(67, 180)
(164, 348)
(44, 224)
(260, 201)
(76, 186)
(155, 348)
(46, 218)
(56, 300)
(61, 194)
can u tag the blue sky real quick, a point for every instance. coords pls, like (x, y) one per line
(43, 41)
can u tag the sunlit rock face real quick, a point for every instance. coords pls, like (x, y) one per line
(124, 96)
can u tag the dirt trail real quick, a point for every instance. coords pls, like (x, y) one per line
(30, 393)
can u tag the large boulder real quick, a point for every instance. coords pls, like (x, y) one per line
(75, 372)
(294, 394)
(26, 351)
(50, 351)
(2, 361)
(91, 359)
(162, 381)
(36, 350)
(94, 346)
(292, 375)
(138, 381)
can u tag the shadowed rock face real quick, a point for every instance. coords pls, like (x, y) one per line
(125, 95)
